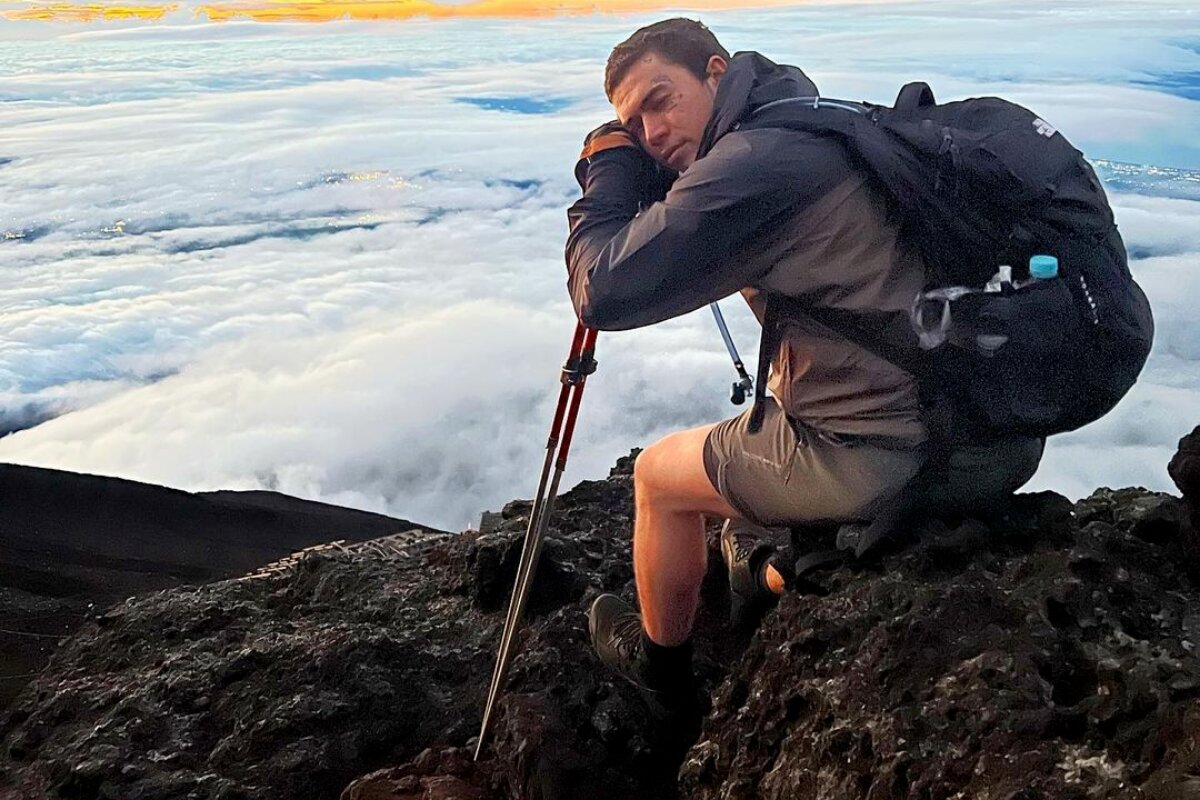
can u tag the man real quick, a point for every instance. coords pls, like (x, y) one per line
(681, 208)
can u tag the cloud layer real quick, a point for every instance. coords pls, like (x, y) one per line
(328, 259)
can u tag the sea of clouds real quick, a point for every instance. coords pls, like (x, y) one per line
(327, 259)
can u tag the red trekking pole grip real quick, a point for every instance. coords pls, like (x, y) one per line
(586, 366)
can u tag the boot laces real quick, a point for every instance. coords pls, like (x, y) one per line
(744, 544)
(627, 635)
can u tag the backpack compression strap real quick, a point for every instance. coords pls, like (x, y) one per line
(768, 343)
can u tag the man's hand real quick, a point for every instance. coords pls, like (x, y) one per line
(609, 135)
(613, 142)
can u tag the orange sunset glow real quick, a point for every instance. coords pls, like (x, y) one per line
(88, 12)
(405, 9)
(326, 10)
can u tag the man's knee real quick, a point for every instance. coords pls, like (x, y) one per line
(654, 463)
(672, 471)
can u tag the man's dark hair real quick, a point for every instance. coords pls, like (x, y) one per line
(686, 42)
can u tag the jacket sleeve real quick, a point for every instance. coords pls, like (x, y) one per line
(629, 268)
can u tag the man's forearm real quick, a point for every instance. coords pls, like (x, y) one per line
(616, 185)
(629, 267)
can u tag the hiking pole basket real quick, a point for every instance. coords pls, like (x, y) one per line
(580, 363)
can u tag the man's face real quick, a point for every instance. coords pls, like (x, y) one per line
(667, 107)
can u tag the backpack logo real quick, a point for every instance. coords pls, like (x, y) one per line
(1044, 128)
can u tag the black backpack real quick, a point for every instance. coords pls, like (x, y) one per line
(978, 184)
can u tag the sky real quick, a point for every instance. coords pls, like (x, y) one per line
(326, 257)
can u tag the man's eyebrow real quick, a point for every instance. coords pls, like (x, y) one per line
(661, 83)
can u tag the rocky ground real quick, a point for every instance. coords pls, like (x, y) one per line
(71, 544)
(1047, 652)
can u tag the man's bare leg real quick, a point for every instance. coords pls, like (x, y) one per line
(672, 493)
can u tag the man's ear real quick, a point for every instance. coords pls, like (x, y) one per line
(716, 68)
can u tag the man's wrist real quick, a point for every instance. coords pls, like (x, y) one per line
(608, 136)
(609, 140)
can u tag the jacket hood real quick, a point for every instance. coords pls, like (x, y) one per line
(752, 80)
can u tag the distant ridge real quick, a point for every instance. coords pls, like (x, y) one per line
(69, 541)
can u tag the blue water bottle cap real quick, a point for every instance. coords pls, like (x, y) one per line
(1043, 268)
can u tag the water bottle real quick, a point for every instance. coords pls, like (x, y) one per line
(1042, 268)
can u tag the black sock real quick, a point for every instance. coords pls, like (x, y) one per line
(667, 666)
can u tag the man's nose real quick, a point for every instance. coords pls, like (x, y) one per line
(656, 133)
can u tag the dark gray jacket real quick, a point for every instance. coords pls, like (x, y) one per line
(761, 210)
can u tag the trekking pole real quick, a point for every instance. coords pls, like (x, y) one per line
(737, 395)
(580, 363)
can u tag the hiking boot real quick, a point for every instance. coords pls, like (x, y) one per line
(663, 675)
(747, 548)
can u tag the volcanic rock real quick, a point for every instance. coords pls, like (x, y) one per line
(1046, 651)
(1184, 469)
(73, 544)
(1054, 657)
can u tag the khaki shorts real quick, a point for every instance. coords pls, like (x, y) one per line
(787, 474)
